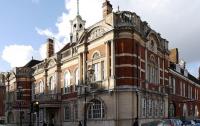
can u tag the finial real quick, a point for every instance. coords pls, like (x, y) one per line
(32, 57)
(77, 7)
(118, 8)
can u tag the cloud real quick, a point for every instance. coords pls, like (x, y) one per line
(18, 55)
(177, 21)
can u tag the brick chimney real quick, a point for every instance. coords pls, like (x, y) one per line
(107, 8)
(50, 47)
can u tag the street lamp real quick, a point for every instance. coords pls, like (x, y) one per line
(19, 88)
(88, 80)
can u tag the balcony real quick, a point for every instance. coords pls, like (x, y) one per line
(97, 86)
(44, 98)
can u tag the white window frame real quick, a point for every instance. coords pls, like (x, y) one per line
(96, 110)
(41, 85)
(67, 78)
(76, 76)
(52, 84)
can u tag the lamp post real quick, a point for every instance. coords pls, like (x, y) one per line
(90, 74)
(20, 107)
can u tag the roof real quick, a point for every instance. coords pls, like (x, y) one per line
(67, 46)
(32, 63)
(190, 76)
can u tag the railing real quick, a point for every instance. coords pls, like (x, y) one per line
(48, 97)
(97, 85)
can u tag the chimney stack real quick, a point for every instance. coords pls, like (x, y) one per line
(107, 8)
(50, 47)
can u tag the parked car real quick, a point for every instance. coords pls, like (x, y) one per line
(165, 122)
(154, 123)
(197, 121)
(188, 123)
(172, 122)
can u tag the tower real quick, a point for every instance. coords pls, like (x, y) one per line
(107, 8)
(77, 24)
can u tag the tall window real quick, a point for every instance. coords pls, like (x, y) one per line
(37, 88)
(152, 69)
(41, 87)
(66, 82)
(183, 89)
(96, 110)
(171, 110)
(174, 85)
(76, 78)
(98, 68)
(51, 84)
(96, 72)
(161, 107)
(67, 112)
(144, 107)
(150, 107)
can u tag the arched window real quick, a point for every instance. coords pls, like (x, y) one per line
(10, 117)
(171, 110)
(76, 78)
(152, 69)
(96, 110)
(41, 84)
(51, 83)
(98, 67)
(66, 82)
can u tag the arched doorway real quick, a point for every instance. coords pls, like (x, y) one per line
(10, 118)
(171, 110)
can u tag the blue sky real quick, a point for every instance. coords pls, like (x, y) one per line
(19, 19)
(26, 24)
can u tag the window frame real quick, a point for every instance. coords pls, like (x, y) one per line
(66, 87)
(96, 109)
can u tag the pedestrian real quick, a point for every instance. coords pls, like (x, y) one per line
(79, 124)
(136, 122)
(44, 124)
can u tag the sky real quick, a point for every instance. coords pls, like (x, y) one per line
(26, 24)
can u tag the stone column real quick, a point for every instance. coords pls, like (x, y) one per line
(107, 61)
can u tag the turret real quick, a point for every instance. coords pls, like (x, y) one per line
(76, 25)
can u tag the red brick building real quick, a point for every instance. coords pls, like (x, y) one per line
(184, 95)
(108, 74)
(2, 99)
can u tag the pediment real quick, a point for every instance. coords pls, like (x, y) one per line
(96, 33)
